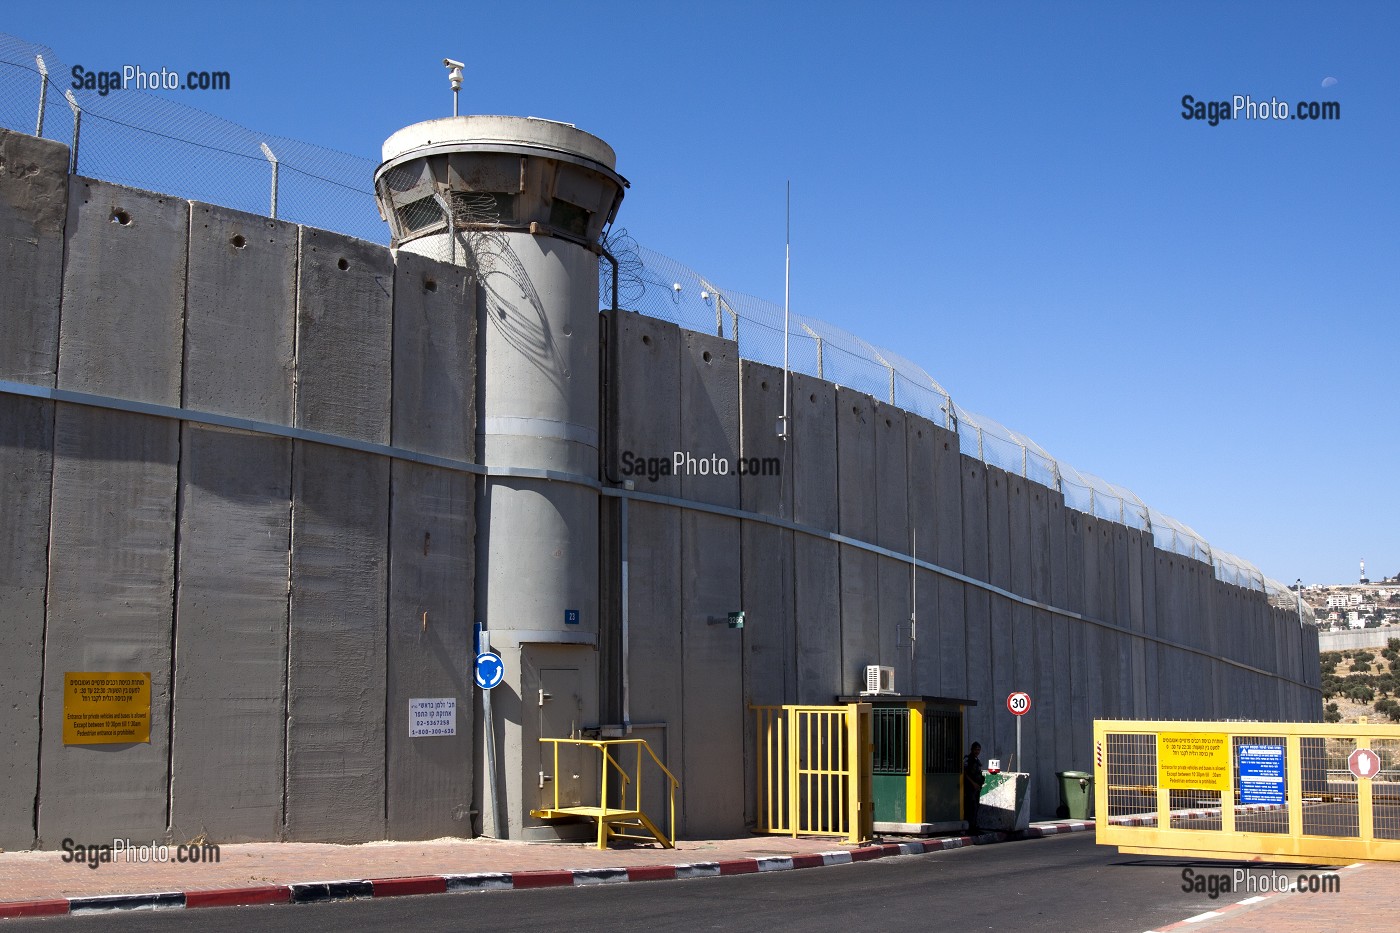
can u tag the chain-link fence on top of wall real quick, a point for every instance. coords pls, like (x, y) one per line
(143, 140)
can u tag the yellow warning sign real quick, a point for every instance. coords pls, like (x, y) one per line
(106, 707)
(1193, 761)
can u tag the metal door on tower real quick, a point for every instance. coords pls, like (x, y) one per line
(561, 716)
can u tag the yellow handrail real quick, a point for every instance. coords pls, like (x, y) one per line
(632, 781)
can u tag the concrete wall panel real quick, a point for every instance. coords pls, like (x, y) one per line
(769, 639)
(26, 475)
(1002, 649)
(951, 621)
(33, 208)
(858, 505)
(761, 400)
(1131, 559)
(122, 325)
(228, 759)
(648, 420)
(770, 670)
(1048, 709)
(1129, 648)
(1022, 624)
(110, 594)
(921, 436)
(231, 651)
(649, 428)
(429, 653)
(344, 318)
(814, 465)
(1066, 752)
(709, 381)
(434, 353)
(1110, 657)
(977, 610)
(240, 317)
(816, 562)
(1083, 668)
(336, 666)
(1147, 561)
(892, 531)
(713, 757)
(654, 607)
(713, 768)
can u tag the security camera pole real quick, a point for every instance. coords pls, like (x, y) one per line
(454, 74)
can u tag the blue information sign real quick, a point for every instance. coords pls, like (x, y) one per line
(1261, 774)
(490, 669)
(571, 617)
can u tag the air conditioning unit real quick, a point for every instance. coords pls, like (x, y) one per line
(878, 680)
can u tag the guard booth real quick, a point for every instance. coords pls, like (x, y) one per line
(917, 767)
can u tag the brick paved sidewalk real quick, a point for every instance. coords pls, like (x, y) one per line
(34, 875)
(33, 883)
(1364, 904)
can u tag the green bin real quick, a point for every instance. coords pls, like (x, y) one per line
(1076, 794)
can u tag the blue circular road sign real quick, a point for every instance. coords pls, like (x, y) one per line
(490, 670)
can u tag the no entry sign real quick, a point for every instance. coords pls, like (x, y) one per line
(1019, 703)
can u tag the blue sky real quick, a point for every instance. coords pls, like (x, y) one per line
(1006, 194)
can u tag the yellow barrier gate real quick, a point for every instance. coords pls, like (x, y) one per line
(814, 771)
(1284, 792)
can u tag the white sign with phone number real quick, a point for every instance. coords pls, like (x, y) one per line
(428, 717)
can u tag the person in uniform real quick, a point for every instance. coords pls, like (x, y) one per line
(972, 781)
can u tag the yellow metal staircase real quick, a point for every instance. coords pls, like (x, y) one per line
(619, 811)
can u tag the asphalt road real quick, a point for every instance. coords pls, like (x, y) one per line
(1058, 883)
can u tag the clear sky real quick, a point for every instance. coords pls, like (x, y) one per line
(1007, 194)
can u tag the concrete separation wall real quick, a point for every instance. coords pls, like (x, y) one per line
(285, 611)
(241, 456)
(33, 209)
(1361, 638)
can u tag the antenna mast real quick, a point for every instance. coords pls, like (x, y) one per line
(787, 279)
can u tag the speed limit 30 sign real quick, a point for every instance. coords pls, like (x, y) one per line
(1018, 703)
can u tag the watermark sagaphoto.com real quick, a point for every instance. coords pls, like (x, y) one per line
(134, 77)
(1253, 881)
(685, 463)
(1245, 107)
(94, 855)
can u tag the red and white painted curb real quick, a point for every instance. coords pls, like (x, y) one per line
(319, 891)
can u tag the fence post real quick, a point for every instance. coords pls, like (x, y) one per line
(817, 337)
(273, 159)
(43, 93)
(77, 127)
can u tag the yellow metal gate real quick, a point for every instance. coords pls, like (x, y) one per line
(1287, 792)
(814, 771)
